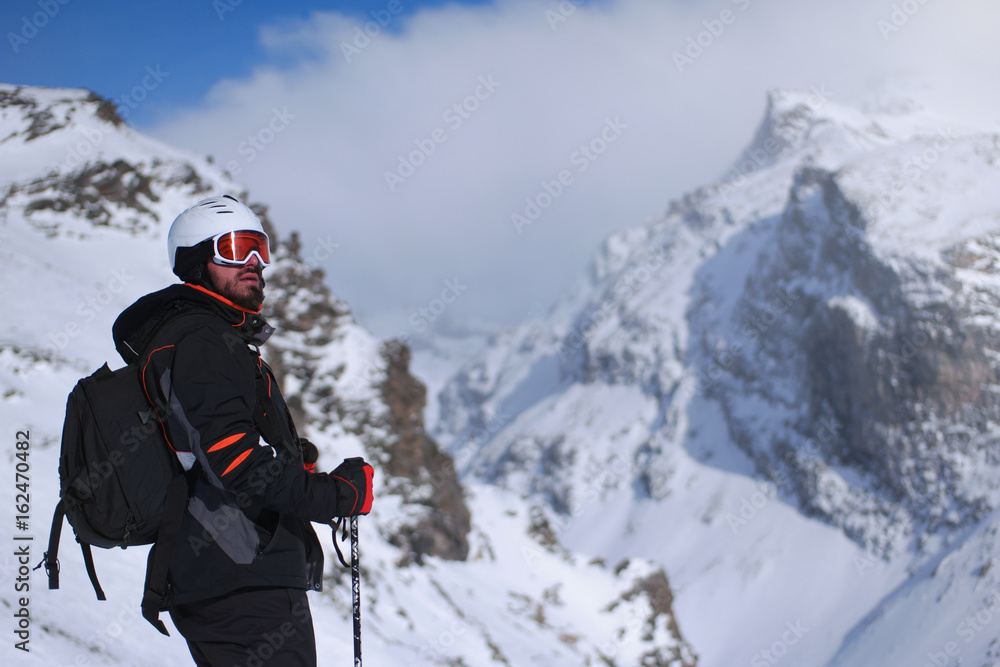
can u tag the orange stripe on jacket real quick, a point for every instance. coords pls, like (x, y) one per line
(239, 460)
(142, 376)
(225, 442)
(225, 301)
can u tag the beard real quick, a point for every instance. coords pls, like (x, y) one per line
(238, 289)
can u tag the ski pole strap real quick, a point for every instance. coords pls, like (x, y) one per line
(356, 590)
(336, 543)
(154, 595)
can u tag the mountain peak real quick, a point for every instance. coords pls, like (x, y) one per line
(799, 121)
(812, 337)
(40, 111)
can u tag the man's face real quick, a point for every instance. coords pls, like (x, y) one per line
(243, 285)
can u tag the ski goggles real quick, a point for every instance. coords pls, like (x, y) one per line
(235, 248)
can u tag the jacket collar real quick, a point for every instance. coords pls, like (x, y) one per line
(137, 324)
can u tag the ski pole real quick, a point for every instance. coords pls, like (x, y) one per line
(356, 589)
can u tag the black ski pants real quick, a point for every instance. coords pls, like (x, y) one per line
(250, 627)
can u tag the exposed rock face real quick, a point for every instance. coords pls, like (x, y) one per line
(46, 118)
(655, 591)
(391, 426)
(835, 297)
(85, 183)
(91, 190)
(426, 474)
(919, 363)
(893, 358)
(349, 392)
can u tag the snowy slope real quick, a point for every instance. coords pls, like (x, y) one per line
(82, 239)
(962, 587)
(783, 390)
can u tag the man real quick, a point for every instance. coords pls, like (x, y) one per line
(237, 575)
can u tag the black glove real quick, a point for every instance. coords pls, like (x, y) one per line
(310, 454)
(354, 494)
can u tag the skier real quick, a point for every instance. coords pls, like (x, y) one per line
(236, 581)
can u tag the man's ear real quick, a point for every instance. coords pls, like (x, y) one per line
(200, 276)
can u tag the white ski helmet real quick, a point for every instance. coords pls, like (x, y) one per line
(205, 220)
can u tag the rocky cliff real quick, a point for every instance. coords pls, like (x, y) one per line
(812, 337)
(85, 202)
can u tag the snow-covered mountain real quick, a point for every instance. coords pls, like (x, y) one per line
(450, 575)
(784, 391)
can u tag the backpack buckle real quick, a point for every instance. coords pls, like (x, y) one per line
(45, 563)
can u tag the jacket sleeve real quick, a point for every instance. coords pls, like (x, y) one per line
(207, 385)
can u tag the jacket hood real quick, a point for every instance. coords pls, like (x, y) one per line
(136, 326)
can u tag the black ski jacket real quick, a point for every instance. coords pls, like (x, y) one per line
(251, 501)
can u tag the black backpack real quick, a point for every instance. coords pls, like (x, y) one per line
(120, 483)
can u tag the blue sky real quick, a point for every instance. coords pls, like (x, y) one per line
(536, 80)
(106, 46)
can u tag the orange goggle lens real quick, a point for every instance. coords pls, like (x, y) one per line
(236, 247)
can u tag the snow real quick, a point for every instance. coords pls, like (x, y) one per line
(516, 599)
(961, 590)
(639, 425)
(688, 387)
(859, 311)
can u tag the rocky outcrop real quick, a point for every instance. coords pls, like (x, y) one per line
(883, 362)
(83, 179)
(654, 590)
(94, 191)
(423, 473)
(349, 392)
(311, 319)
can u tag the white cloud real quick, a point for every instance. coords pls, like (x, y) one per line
(554, 87)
